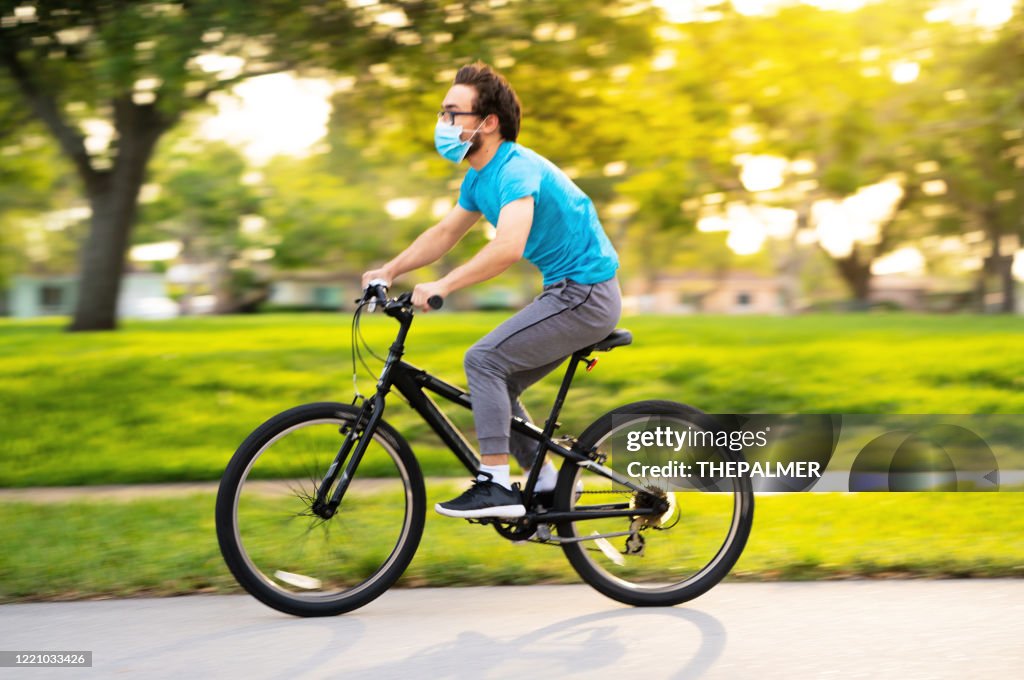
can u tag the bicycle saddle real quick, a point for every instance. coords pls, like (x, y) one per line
(619, 337)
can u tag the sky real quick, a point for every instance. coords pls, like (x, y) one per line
(273, 114)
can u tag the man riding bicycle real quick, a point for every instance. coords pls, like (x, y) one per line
(539, 214)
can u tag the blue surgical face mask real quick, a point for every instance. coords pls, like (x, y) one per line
(448, 141)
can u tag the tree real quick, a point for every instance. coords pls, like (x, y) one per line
(828, 100)
(558, 55)
(142, 65)
(201, 202)
(974, 152)
(34, 181)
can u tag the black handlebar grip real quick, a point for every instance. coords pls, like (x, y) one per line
(435, 301)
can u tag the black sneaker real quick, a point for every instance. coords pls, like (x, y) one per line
(484, 499)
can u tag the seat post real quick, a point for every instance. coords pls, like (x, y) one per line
(549, 425)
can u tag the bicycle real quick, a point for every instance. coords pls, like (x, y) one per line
(322, 507)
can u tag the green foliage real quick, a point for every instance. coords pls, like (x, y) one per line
(978, 150)
(33, 179)
(201, 197)
(323, 220)
(644, 114)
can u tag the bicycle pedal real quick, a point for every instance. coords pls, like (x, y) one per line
(635, 544)
(541, 535)
(609, 551)
(545, 498)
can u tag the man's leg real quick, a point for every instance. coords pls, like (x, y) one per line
(533, 342)
(522, 448)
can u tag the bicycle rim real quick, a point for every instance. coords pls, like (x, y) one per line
(300, 557)
(684, 553)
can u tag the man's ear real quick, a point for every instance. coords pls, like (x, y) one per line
(492, 118)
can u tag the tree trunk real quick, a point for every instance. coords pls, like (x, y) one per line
(102, 261)
(998, 271)
(979, 289)
(185, 301)
(857, 275)
(223, 291)
(1009, 285)
(194, 253)
(998, 268)
(113, 196)
(789, 264)
(1002, 270)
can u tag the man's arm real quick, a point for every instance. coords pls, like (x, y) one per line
(428, 246)
(508, 245)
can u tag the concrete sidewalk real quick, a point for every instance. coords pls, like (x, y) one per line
(854, 629)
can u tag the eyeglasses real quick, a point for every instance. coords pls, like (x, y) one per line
(449, 116)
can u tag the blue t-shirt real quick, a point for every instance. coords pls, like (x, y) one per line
(566, 239)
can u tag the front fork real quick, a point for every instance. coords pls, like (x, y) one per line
(369, 416)
(366, 422)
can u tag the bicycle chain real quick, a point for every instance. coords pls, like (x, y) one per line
(627, 492)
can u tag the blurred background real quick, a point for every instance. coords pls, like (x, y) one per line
(818, 207)
(767, 156)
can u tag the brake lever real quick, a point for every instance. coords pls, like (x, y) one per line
(381, 293)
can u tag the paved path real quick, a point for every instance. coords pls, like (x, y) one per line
(853, 629)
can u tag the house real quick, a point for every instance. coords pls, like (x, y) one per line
(30, 296)
(309, 289)
(331, 291)
(143, 295)
(901, 291)
(735, 292)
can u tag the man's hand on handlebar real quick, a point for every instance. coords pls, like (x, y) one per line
(422, 293)
(382, 274)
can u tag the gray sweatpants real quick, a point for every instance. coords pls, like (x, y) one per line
(565, 317)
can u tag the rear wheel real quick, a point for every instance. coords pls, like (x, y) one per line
(657, 561)
(295, 561)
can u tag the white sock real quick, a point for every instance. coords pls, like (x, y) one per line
(499, 474)
(547, 477)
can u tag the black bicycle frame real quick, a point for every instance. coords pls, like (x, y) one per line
(413, 382)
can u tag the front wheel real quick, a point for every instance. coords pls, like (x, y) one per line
(663, 560)
(294, 560)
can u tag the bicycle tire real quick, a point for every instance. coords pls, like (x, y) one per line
(651, 584)
(282, 554)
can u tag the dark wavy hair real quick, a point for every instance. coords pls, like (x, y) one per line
(493, 95)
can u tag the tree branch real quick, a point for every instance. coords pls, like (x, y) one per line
(886, 233)
(44, 106)
(230, 82)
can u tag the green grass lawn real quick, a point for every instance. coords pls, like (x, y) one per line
(170, 401)
(163, 401)
(169, 546)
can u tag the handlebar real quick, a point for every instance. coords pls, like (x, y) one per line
(376, 292)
